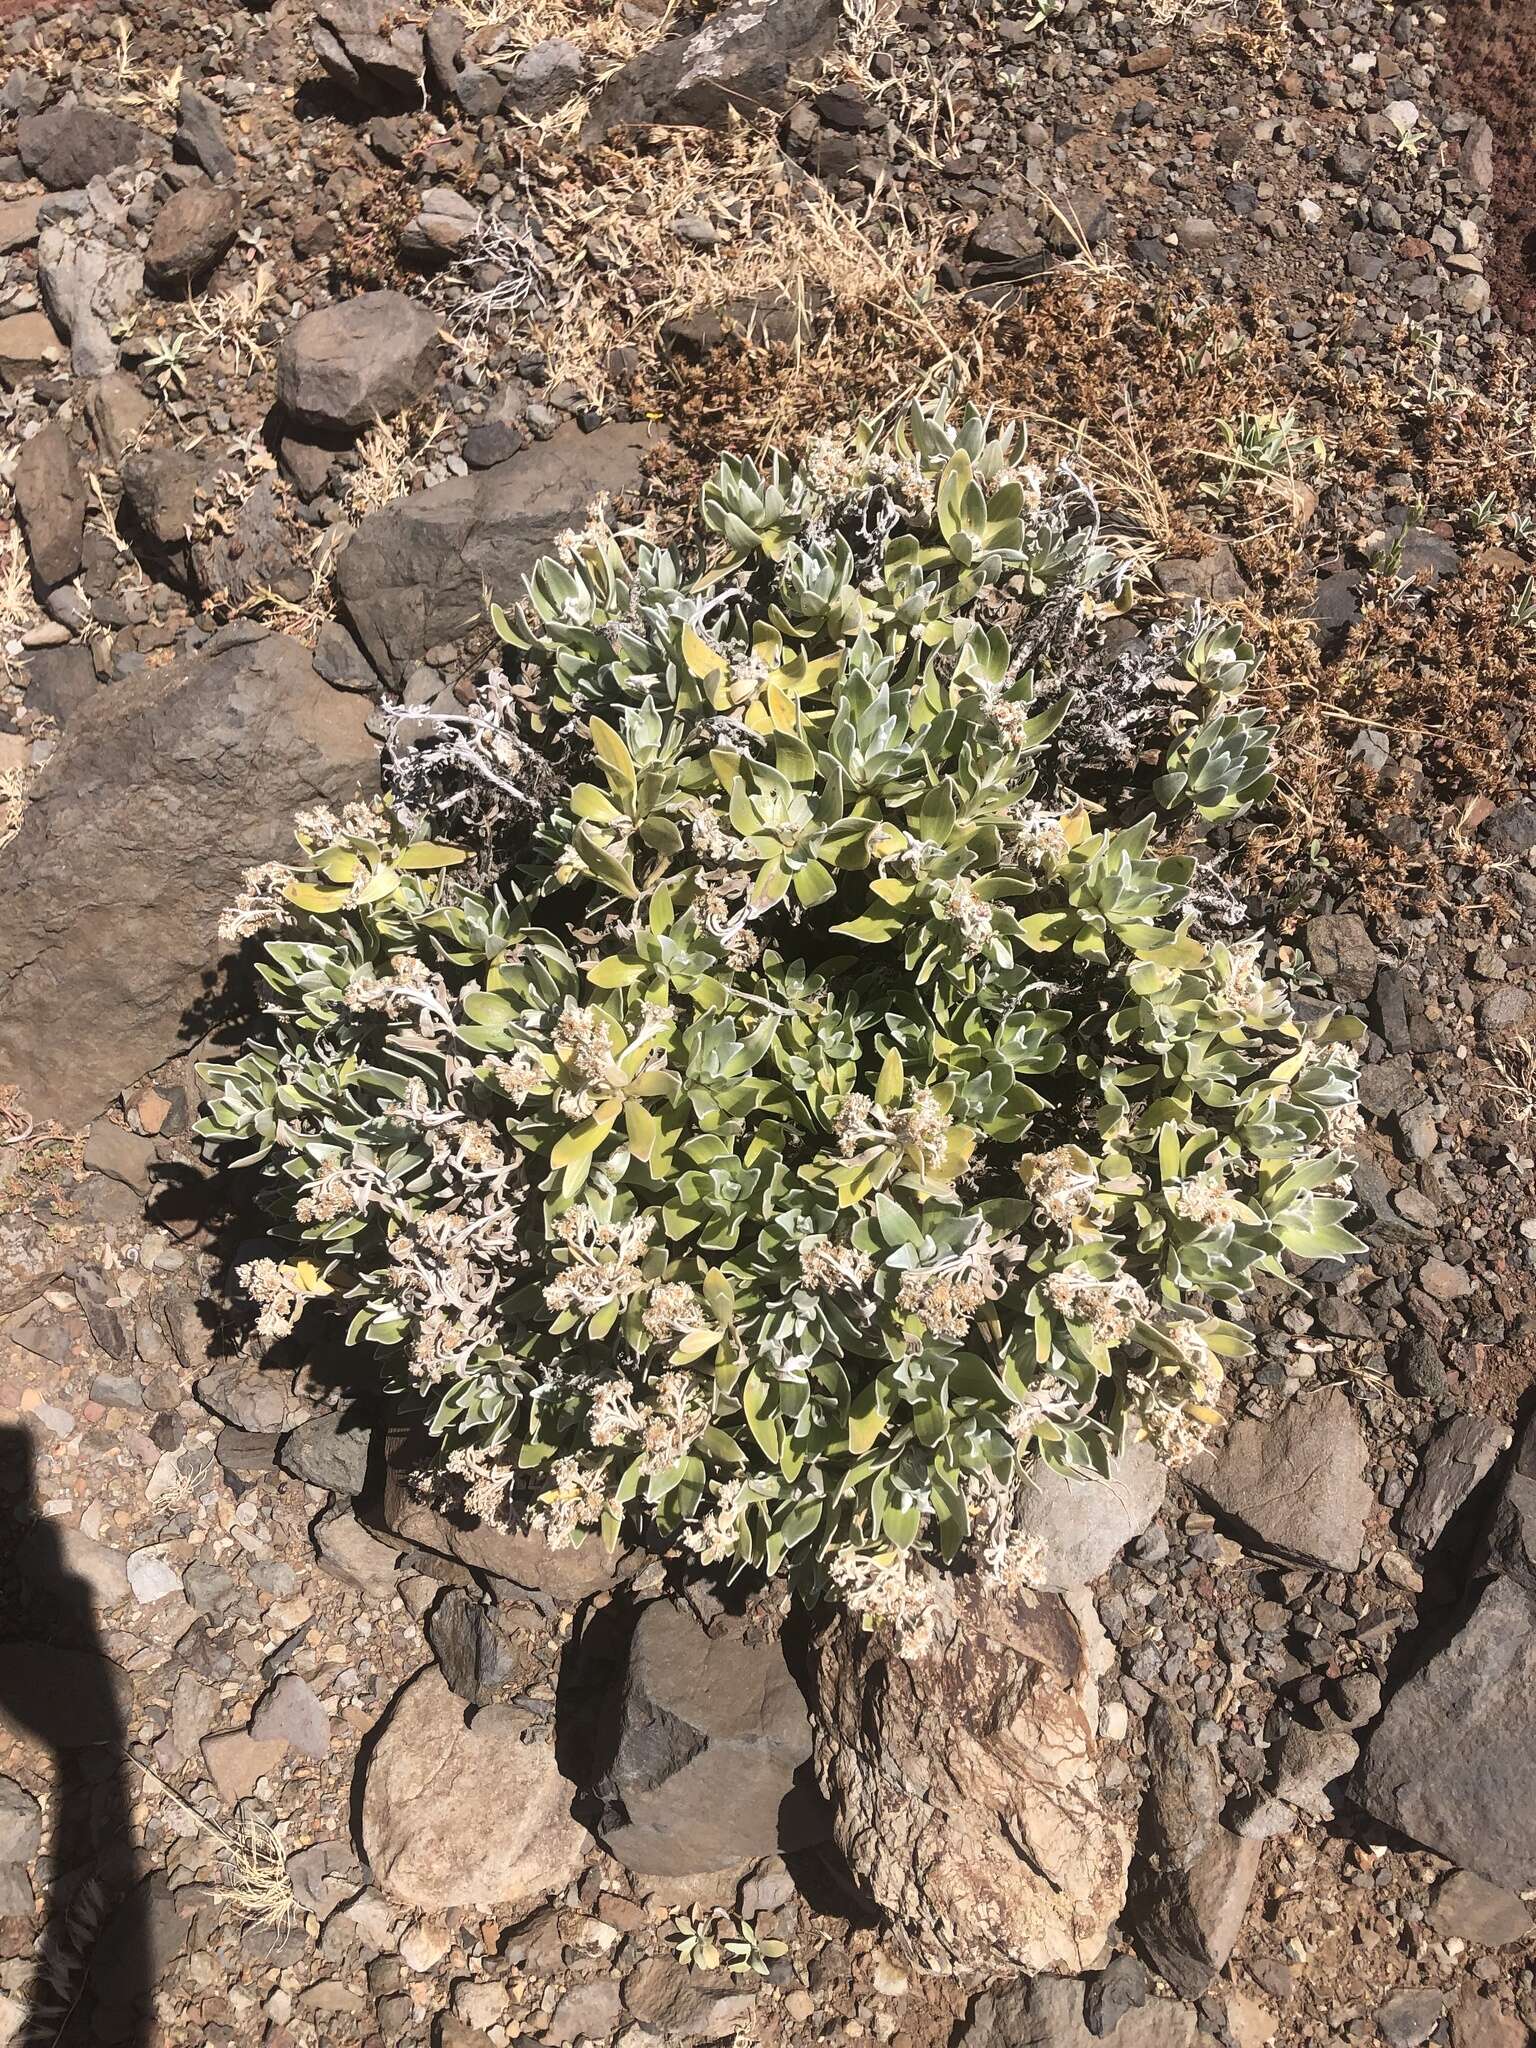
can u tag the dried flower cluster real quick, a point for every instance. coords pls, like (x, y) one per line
(839, 1096)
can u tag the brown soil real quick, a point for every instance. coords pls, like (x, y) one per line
(1493, 47)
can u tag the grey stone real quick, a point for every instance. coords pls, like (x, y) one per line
(1344, 954)
(458, 1815)
(349, 1552)
(414, 575)
(587, 2012)
(1120, 1988)
(445, 223)
(103, 1571)
(1082, 1525)
(1477, 155)
(119, 1153)
(1213, 578)
(546, 76)
(254, 558)
(160, 485)
(194, 1708)
(29, 346)
(1512, 829)
(1460, 1456)
(254, 1400)
(1356, 1698)
(153, 1574)
(1452, 1762)
(712, 1734)
(329, 1451)
(678, 2004)
(289, 1712)
(446, 36)
(469, 1651)
(69, 145)
(1419, 1367)
(18, 223)
(1075, 221)
(193, 231)
(1468, 1908)
(341, 661)
(1294, 1485)
(307, 464)
(1190, 1930)
(1409, 2017)
(1508, 1543)
(236, 1763)
(139, 829)
(21, 1823)
(61, 681)
(742, 60)
(1047, 2012)
(324, 1876)
(1306, 1761)
(50, 502)
(491, 441)
(362, 360)
(365, 48)
(211, 1589)
(246, 1452)
(200, 137)
(89, 289)
(1195, 1876)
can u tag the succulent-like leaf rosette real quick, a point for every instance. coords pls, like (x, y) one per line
(856, 1080)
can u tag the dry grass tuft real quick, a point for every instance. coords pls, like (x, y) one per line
(13, 801)
(254, 1886)
(390, 456)
(18, 608)
(303, 618)
(682, 223)
(226, 324)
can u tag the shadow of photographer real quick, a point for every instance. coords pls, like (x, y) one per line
(64, 1718)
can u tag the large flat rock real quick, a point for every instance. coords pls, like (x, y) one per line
(461, 1815)
(1452, 1762)
(421, 572)
(741, 60)
(1294, 1486)
(163, 791)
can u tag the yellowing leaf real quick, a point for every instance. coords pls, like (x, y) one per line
(641, 1127)
(427, 854)
(580, 1143)
(892, 1080)
(699, 658)
(310, 896)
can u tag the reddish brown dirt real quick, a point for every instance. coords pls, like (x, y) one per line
(1493, 47)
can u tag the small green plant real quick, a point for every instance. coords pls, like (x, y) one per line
(748, 1953)
(693, 1941)
(837, 1077)
(169, 361)
(706, 1940)
(1267, 449)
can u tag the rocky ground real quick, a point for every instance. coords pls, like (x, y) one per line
(314, 324)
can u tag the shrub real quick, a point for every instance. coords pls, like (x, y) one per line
(843, 1088)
